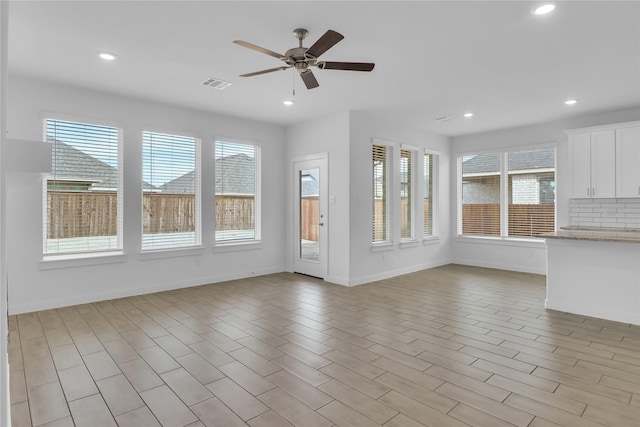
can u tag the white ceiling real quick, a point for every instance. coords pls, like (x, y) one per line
(432, 58)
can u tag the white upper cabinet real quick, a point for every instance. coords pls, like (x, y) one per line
(580, 164)
(628, 162)
(592, 159)
(604, 161)
(603, 164)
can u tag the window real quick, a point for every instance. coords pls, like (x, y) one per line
(430, 170)
(380, 226)
(481, 194)
(407, 211)
(170, 191)
(237, 192)
(83, 193)
(508, 193)
(531, 192)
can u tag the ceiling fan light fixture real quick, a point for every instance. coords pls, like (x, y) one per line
(468, 115)
(570, 101)
(543, 9)
(288, 102)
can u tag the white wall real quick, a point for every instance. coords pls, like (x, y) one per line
(33, 287)
(518, 256)
(324, 135)
(367, 265)
(4, 328)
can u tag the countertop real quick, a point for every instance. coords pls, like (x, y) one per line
(630, 235)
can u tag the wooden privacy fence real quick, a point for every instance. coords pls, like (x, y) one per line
(88, 214)
(309, 216)
(77, 214)
(235, 212)
(524, 220)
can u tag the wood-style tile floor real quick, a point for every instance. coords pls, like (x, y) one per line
(450, 346)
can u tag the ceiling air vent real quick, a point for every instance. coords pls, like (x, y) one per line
(216, 83)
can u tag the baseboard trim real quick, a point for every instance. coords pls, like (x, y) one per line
(597, 312)
(501, 266)
(122, 293)
(399, 272)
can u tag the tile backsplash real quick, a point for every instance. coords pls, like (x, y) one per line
(620, 213)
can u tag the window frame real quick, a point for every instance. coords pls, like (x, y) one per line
(504, 193)
(412, 185)
(79, 258)
(386, 187)
(434, 181)
(197, 194)
(256, 241)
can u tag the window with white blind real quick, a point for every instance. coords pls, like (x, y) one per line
(407, 185)
(508, 194)
(237, 192)
(170, 191)
(83, 194)
(430, 171)
(531, 191)
(380, 178)
(481, 194)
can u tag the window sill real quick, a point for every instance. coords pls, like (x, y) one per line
(150, 254)
(431, 240)
(234, 246)
(50, 262)
(504, 241)
(409, 243)
(382, 247)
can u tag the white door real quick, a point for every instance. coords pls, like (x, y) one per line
(310, 216)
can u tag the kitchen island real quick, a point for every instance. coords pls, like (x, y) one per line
(594, 272)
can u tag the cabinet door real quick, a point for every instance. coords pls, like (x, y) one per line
(628, 162)
(580, 165)
(603, 164)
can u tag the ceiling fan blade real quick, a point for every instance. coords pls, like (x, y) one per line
(309, 79)
(324, 43)
(351, 66)
(259, 49)
(270, 70)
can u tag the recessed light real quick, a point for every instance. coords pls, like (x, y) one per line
(107, 56)
(288, 102)
(570, 101)
(544, 9)
(468, 115)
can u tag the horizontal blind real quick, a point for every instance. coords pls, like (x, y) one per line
(237, 189)
(429, 168)
(380, 224)
(82, 210)
(406, 194)
(170, 183)
(531, 191)
(481, 194)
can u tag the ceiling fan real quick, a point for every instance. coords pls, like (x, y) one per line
(301, 58)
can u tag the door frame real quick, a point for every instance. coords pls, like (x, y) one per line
(321, 160)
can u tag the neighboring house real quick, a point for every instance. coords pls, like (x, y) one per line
(310, 183)
(531, 178)
(233, 174)
(75, 170)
